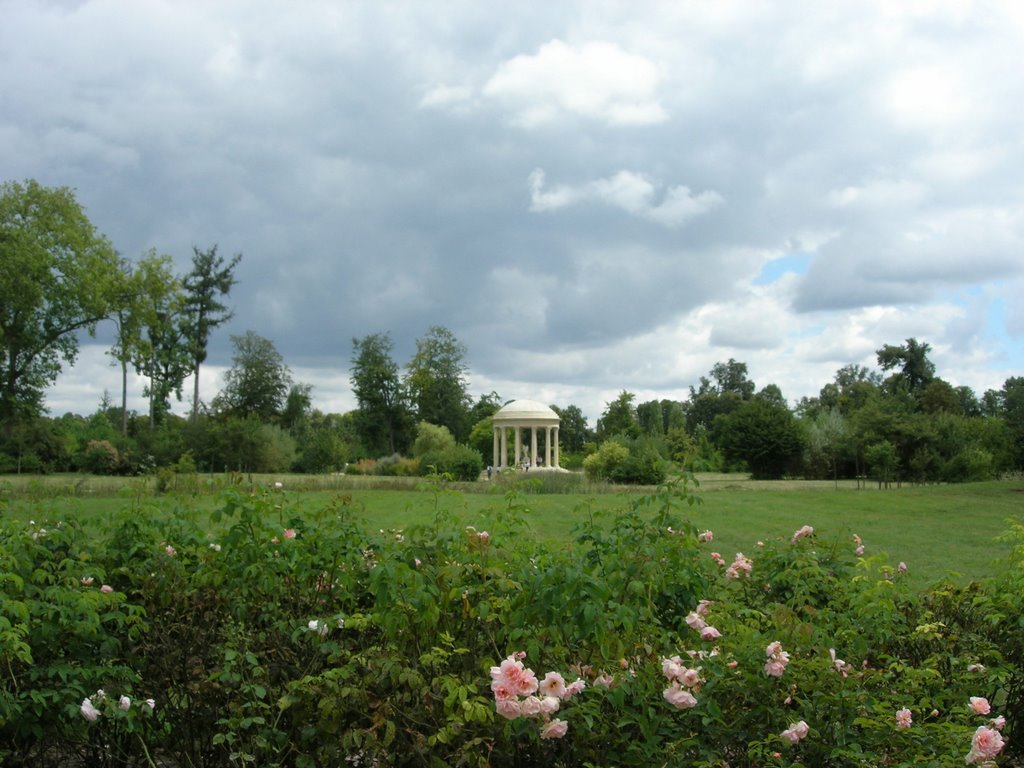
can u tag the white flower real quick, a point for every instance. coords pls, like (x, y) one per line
(124, 703)
(89, 712)
(316, 626)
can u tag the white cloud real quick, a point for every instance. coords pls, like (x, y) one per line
(595, 80)
(629, 191)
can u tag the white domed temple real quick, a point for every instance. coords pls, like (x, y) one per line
(539, 419)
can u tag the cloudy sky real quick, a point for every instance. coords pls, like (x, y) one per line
(592, 196)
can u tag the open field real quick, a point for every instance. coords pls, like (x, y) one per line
(936, 530)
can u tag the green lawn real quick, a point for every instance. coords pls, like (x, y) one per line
(936, 530)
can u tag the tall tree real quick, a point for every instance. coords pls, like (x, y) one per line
(436, 379)
(258, 381)
(59, 277)
(154, 341)
(764, 435)
(384, 419)
(209, 280)
(911, 361)
(572, 430)
(130, 315)
(619, 417)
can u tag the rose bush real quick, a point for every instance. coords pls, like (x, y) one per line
(285, 636)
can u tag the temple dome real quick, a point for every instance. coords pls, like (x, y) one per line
(526, 410)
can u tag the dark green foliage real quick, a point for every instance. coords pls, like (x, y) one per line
(764, 435)
(459, 461)
(286, 637)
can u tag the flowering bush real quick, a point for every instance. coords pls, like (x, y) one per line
(291, 637)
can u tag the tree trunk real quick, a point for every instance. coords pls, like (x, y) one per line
(195, 393)
(124, 397)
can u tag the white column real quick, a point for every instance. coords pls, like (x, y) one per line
(504, 447)
(556, 448)
(519, 444)
(533, 446)
(494, 454)
(547, 446)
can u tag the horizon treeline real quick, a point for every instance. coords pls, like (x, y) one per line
(900, 422)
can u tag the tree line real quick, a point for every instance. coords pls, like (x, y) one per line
(61, 278)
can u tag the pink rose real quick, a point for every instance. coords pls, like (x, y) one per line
(87, 581)
(289, 533)
(702, 607)
(706, 536)
(690, 677)
(124, 703)
(151, 703)
(549, 705)
(732, 664)
(672, 668)
(484, 537)
(985, 745)
(795, 732)
(171, 551)
(555, 729)
(740, 565)
(530, 706)
(553, 684)
(773, 649)
(695, 621)
(507, 708)
(859, 551)
(89, 712)
(902, 567)
(106, 589)
(679, 698)
(903, 718)
(999, 723)
(710, 633)
(802, 532)
(604, 680)
(774, 668)
(573, 688)
(980, 705)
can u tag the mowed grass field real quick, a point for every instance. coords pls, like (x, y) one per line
(937, 530)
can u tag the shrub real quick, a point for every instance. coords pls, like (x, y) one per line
(277, 637)
(601, 464)
(460, 462)
(100, 458)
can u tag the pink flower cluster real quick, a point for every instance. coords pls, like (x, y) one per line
(683, 682)
(91, 713)
(777, 659)
(742, 564)
(517, 693)
(717, 557)
(705, 536)
(904, 718)
(802, 532)
(695, 620)
(796, 732)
